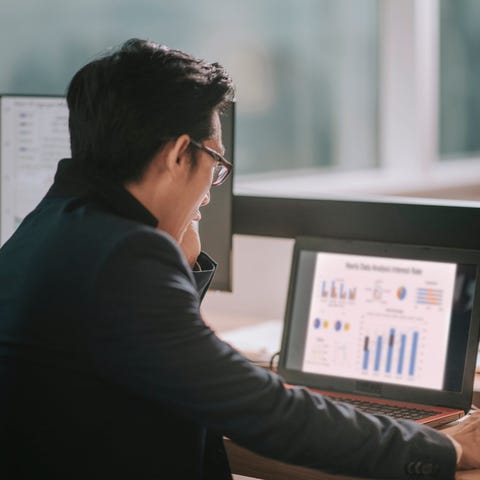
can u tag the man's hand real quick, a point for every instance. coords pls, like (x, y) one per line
(467, 434)
(190, 243)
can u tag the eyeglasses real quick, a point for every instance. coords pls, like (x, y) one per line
(222, 168)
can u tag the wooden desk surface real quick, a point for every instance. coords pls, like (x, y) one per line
(248, 464)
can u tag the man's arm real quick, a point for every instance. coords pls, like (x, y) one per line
(155, 343)
(203, 272)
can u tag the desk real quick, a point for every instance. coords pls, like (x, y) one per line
(248, 464)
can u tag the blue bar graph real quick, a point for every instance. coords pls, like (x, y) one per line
(396, 355)
(378, 355)
(401, 355)
(366, 353)
(391, 341)
(413, 354)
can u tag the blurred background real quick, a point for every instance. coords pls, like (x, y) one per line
(335, 97)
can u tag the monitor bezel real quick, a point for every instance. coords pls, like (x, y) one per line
(461, 399)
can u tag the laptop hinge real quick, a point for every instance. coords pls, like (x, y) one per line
(368, 388)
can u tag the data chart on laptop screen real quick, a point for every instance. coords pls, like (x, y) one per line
(380, 319)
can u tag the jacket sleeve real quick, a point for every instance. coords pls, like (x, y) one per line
(203, 273)
(151, 340)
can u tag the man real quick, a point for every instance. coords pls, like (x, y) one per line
(107, 368)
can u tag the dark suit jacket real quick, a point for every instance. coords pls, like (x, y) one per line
(107, 369)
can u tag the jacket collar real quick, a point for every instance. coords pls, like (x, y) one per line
(70, 180)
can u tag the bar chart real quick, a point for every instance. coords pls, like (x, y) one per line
(337, 290)
(429, 296)
(387, 353)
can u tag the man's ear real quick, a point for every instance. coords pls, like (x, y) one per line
(177, 157)
(173, 159)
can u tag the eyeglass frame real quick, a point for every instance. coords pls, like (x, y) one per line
(220, 160)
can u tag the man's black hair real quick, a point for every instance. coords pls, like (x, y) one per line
(124, 105)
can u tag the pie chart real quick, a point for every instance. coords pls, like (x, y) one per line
(401, 293)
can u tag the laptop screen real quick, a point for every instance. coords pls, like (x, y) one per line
(389, 314)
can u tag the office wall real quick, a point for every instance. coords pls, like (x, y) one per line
(261, 268)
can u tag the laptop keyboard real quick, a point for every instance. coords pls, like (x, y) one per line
(395, 411)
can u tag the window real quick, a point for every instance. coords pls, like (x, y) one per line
(334, 96)
(459, 79)
(307, 84)
(305, 70)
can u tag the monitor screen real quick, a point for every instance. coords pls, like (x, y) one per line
(378, 312)
(34, 137)
(383, 319)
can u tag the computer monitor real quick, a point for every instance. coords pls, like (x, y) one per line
(34, 137)
(216, 225)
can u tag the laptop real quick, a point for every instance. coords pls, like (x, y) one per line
(391, 328)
